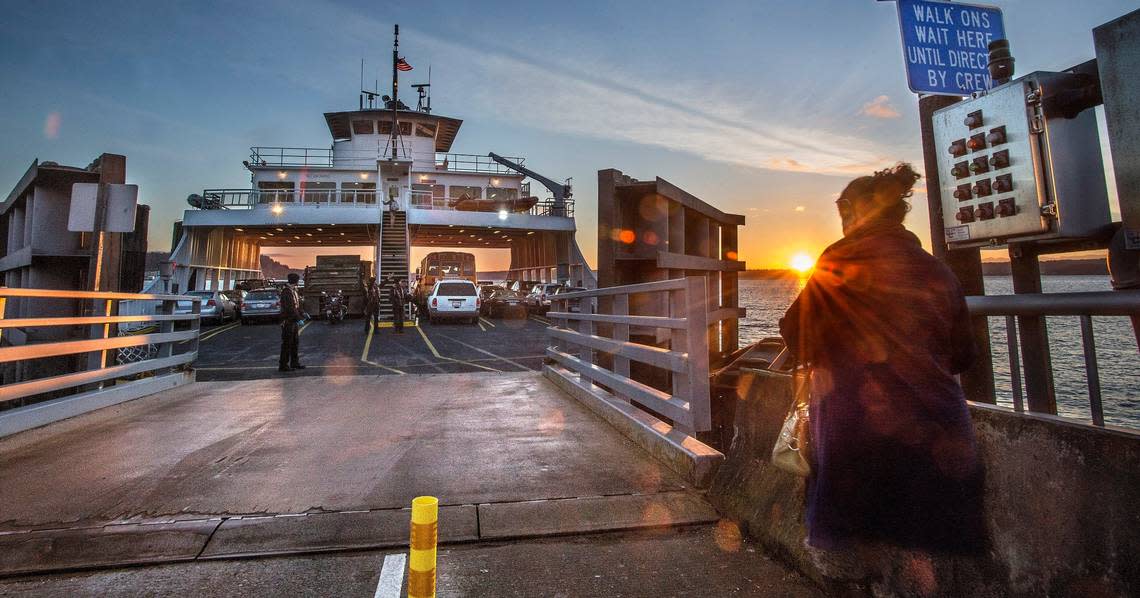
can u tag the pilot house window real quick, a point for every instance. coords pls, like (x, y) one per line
(425, 130)
(386, 127)
(363, 127)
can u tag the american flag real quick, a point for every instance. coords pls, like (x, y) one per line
(402, 65)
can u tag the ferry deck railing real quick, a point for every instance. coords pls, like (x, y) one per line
(1081, 305)
(149, 354)
(326, 157)
(686, 360)
(233, 199)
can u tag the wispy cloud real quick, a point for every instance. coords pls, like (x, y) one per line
(567, 94)
(880, 107)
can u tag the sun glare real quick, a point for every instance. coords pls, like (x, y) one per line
(802, 263)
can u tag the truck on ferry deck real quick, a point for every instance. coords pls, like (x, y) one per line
(439, 265)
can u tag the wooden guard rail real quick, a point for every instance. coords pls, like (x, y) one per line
(687, 359)
(98, 343)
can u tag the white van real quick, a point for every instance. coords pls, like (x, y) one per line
(453, 298)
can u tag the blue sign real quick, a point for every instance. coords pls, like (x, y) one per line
(945, 45)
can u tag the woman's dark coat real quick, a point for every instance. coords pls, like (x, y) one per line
(885, 327)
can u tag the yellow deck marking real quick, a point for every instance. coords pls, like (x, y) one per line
(482, 327)
(433, 350)
(487, 322)
(304, 327)
(540, 320)
(213, 333)
(384, 367)
(514, 363)
(367, 342)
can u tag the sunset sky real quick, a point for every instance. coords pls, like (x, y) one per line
(761, 108)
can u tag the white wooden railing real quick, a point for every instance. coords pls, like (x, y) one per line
(156, 354)
(686, 359)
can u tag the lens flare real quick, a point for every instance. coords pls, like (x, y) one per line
(802, 263)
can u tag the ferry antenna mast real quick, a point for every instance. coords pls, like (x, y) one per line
(395, 90)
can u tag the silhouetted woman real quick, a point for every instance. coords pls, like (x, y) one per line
(885, 328)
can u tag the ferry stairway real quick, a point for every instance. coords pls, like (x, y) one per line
(394, 253)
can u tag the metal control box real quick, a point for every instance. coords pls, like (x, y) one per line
(1014, 166)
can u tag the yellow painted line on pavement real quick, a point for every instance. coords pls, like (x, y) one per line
(499, 357)
(384, 367)
(304, 327)
(213, 333)
(541, 321)
(367, 343)
(482, 327)
(487, 322)
(435, 352)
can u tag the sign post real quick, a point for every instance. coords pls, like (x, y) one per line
(945, 45)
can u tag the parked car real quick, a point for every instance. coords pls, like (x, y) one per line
(238, 297)
(504, 303)
(522, 286)
(216, 307)
(538, 301)
(572, 305)
(261, 304)
(454, 299)
(485, 293)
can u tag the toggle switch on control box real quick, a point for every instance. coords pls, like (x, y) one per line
(1013, 168)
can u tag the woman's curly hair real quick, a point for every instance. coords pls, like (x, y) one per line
(886, 191)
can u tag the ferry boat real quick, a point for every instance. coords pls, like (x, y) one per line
(389, 179)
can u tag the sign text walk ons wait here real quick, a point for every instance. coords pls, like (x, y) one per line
(945, 45)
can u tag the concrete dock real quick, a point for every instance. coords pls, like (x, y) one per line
(240, 487)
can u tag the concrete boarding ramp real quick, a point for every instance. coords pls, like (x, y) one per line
(225, 469)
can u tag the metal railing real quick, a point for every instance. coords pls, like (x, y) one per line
(1082, 305)
(686, 360)
(148, 351)
(325, 157)
(248, 198)
(424, 200)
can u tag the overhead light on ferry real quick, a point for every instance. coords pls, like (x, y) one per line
(530, 232)
(279, 229)
(496, 232)
(472, 236)
(240, 230)
(277, 208)
(423, 177)
(342, 234)
(282, 174)
(296, 237)
(308, 234)
(270, 234)
(502, 214)
(495, 182)
(320, 230)
(364, 175)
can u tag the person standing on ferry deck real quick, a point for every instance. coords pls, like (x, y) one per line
(371, 304)
(885, 329)
(291, 314)
(397, 297)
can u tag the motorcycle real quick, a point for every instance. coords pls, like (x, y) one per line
(334, 306)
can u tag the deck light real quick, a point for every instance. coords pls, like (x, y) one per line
(308, 234)
(320, 230)
(277, 209)
(495, 182)
(279, 229)
(342, 234)
(530, 232)
(296, 237)
(502, 214)
(240, 230)
(270, 234)
(282, 174)
(364, 175)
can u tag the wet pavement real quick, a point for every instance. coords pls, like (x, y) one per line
(246, 352)
(707, 560)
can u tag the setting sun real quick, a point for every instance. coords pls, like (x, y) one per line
(802, 263)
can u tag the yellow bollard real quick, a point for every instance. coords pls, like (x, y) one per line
(425, 534)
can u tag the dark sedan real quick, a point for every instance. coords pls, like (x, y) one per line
(505, 303)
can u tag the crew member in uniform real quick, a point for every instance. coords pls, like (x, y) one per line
(397, 297)
(291, 314)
